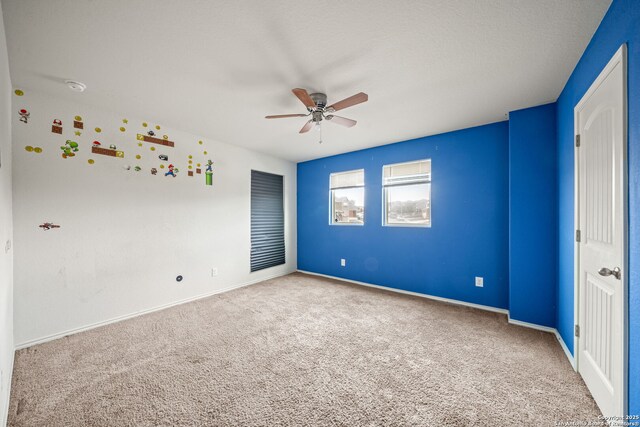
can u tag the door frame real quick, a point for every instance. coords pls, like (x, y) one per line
(620, 57)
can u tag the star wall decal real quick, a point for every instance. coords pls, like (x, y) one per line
(78, 133)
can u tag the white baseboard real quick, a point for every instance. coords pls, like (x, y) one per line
(415, 294)
(531, 325)
(57, 335)
(5, 413)
(463, 303)
(567, 353)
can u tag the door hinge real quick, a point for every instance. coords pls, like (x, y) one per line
(576, 330)
(578, 235)
(578, 140)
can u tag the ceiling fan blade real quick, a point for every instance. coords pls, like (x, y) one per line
(304, 97)
(358, 98)
(307, 127)
(343, 121)
(282, 116)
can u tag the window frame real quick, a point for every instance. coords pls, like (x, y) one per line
(332, 198)
(385, 197)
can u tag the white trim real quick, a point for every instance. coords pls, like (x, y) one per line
(415, 294)
(462, 303)
(566, 350)
(140, 313)
(530, 325)
(620, 57)
(5, 415)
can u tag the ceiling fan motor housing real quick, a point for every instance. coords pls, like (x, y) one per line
(320, 99)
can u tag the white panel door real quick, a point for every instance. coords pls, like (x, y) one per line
(600, 119)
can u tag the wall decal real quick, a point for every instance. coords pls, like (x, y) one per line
(24, 115)
(48, 226)
(165, 136)
(144, 124)
(98, 130)
(137, 169)
(161, 166)
(163, 157)
(69, 149)
(179, 279)
(56, 127)
(154, 171)
(96, 143)
(204, 152)
(127, 167)
(31, 149)
(151, 133)
(209, 173)
(112, 152)
(157, 127)
(77, 122)
(91, 161)
(152, 148)
(147, 138)
(198, 170)
(77, 133)
(190, 173)
(125, 121)
(122, 129)
(172, 171)
(138, 156)
(18, 92)
(113, 146)
(200, 142)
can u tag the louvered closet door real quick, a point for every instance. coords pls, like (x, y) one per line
(600, 120)
(267, 220)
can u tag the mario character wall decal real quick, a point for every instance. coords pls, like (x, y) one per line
(154, 171)
(209, 173)
(24, 115)
(56, 127)
(172, 171)
(69, 149)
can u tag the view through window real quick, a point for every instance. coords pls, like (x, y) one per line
(407, 193)
(347, 197)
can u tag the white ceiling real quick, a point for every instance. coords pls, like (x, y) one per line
(216, 68)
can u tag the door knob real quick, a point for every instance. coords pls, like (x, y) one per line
(604, 271)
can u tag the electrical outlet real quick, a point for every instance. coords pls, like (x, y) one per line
(214, 271)
(343, 262)
(479, 282)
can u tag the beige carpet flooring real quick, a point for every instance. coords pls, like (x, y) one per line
(301, 351)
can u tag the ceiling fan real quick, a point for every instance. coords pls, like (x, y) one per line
(316, 104)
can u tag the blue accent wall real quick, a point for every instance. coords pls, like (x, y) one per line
(533, 215)
(620, 25)
(469, 236)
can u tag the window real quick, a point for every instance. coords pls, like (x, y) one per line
(347, 197)
(407, 194)
(267, 220)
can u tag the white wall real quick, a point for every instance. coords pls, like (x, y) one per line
(126, 235)
(6, 231)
